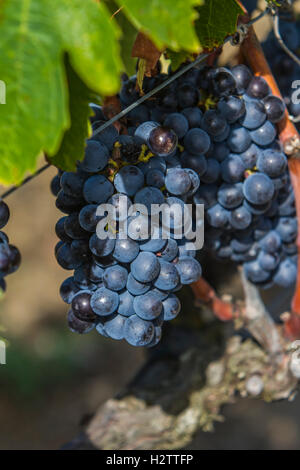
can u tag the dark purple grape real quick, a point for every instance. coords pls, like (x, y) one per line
(81, 306)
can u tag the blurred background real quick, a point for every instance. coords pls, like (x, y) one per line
(54, 380)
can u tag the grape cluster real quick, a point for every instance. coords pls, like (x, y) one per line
(124, 287)
(284, 68)
(209, 138)
(10, 257)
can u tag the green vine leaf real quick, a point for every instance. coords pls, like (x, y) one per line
(73, 144)
(35, 34)
(128, 35)
(216, 21)
(166, 22)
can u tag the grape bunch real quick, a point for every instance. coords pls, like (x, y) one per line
(10, 257)
(208, 138)
(284, 68)
(124, 287)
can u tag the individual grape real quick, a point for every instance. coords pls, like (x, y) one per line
(129, 180)
(79, 326)
(213, 122)
(80, 249)
(189, 270)
(178, 181)
(115, 277)
(241, 244)
(107, 137)
(73, 228)
(267, 261)
(258, 88)
(217, 216)
(114, 327)
(257, 209)
(262, 227)
(178, 122)
(135, 287)
(155, 244)
(233, 169)
(207, 195)
(195, 181)
(167, 103)
(178, 216)
(239, 139)
(149, 196)
(154, 163)
(126, 304)
(223, 136)
(240, 218)
(170, 251)
(104, 302)
(155, 178)
(197, 163)
(68, 204)
(272, 163)
(243, 77)
(157, 336)
(212, 172)
(139, 227)
(162, 141)
(126, 250)
(255, 273)
(60, 230)
(101, 247)
(97, 189)
(219, 152)
(264, 135)
(230, 196)
(3, 237)
(64, 257)
(187, 95)
(168, 277)
(250, 156)
(255, 115)
(139, 114)
(81, 306)
(193, 115)
(171, 307)
(275, 108)
(286, 227)
(147, 306)
(196, 141)
(173, 161)
(145, 268)
(68, 289)
(55, 185)
(57, 247)
(287, 206)
(95, 158)
(121, 204)
(88, 218)
(223, 82)
(258, 188)
(286, 273)
(184, 250)
(95, 273)
(71, 183)
(82, 279)
(232, 108)
(98, 113)
(138, 332)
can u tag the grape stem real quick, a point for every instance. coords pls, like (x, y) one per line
(289, 137)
